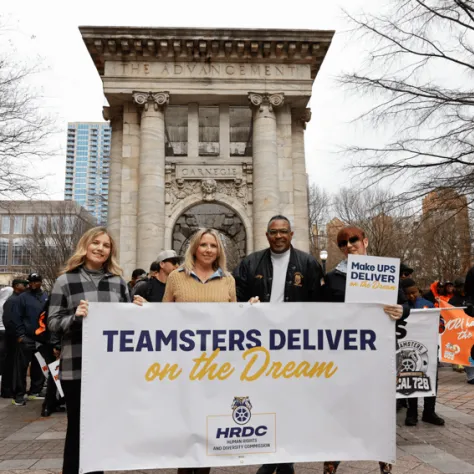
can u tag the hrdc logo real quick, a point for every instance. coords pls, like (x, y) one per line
(241, 432)
(412, 364)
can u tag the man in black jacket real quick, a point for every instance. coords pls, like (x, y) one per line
(19, 286)
(25, 312)
(279, 274)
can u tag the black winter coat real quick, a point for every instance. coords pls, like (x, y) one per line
(254, 275)
(25, 312)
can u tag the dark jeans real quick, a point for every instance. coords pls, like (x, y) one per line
(194, 470)
(9, 350)
(283, 468)
(24, 356)
(72, 393)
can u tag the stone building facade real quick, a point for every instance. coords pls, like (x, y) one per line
(207, 129)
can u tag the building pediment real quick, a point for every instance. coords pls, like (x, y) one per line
(188, 45)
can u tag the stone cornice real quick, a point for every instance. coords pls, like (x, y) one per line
(189, 44)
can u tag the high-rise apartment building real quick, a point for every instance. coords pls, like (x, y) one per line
(87, 167)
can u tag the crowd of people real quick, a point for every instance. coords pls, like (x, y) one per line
(278, 274)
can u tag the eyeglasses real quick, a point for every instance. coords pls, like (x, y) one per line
(274, 232)
(352, 240)
(173, 261)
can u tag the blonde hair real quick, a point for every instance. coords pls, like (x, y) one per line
(79, 256)
(190, 255)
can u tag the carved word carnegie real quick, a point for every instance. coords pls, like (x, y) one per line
(208, 171)
(204, 70)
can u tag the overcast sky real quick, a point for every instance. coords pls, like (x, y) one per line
(72, 88)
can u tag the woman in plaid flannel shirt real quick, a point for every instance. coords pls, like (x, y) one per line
(91, 274)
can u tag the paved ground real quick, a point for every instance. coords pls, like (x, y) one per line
(33, 445)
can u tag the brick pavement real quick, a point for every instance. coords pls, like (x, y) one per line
(33, 445)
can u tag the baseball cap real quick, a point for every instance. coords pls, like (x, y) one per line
(459, 282)
(19, 281)
(165, 255)
(34, 277)
(405, 269)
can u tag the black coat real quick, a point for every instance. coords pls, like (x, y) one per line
(335, 290)
(254, 275)
(25, 312)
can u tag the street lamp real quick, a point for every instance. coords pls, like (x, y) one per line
(323, 255)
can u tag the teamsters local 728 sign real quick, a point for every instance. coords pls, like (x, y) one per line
(234, 384)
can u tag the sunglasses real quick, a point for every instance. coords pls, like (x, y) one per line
(406, 274)
(173, 261)
(352, 240)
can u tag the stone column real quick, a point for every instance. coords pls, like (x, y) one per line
(224, 131)
(151, 177)
(115, 116)
(129, 196)
(193, 130)
(300, 179)
(266, 192)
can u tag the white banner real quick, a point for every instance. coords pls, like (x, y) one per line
(417, 354)
(372, 279)
(194, 385)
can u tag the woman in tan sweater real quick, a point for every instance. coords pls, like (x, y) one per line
(203, 277)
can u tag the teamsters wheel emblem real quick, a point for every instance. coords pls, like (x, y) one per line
(241, 410)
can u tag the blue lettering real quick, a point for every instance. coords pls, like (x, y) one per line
(333, 343)
(350, 338)
(274, 334)
(320, 339)
(188, 343)
(218, 339)
(261, 431)
(236, 338)
(367, 338)
(306, 345)
(222, 432)
(144, 342)
(253, 336)
(126, 338)
(294, 339)
(171, 338)
(110, 339)
(203, 333)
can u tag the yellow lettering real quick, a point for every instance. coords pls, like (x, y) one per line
(259, 365)
(172, 372)
(206, 367)
(255, 352)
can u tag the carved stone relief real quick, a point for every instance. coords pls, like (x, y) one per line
(237, 185)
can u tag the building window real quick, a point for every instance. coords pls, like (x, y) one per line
(42, 223)
(5, 224)
(240, 119)
(20, 254)
(176, 131)
(4, 252)
(18, 224)
(56, 224)
(208, 131)
(29, 224)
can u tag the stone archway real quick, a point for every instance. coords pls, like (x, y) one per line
(216, 216)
